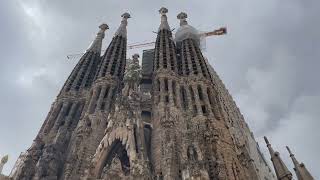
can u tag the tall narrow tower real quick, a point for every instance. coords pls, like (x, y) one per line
(107, 84)
(166, 116)
(46, 157)
(209, 151)
(300, 169)
(280, 168)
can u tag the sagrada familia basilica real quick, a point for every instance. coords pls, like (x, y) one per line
(170, 119)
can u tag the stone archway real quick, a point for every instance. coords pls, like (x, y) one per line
(113, 158)
(117, 160)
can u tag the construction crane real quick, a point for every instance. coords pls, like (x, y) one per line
(217, 32)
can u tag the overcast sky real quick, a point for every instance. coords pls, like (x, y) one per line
(269, 61)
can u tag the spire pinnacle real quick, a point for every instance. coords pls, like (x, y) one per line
(135, 57)
(97, 43)
(299, 168)
(164, 20)
(182, 17)
(122, 30)
(280, 168)
(268, 145)
(104, 27)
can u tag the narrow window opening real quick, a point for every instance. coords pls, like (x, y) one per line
(166, 85)
(135, 138)
(200, 93)
(192, 94)
(158, 84)
(183, 97)
(204, 109)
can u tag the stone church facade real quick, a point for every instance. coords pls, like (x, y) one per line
(171, 119)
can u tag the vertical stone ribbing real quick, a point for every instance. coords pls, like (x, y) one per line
(107, 82)
(165, 106)
(165, 55)
(46, 157)
(81, 76)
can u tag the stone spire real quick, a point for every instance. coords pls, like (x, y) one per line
(108, 78)
(122, 30)
(183, 18)
(188, 49)
(300, 169)
(280, 168)
(165, 54)
(114, 59)
(97, 43)
(164, 20)
(83, 74)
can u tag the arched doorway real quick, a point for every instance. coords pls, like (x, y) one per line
(115, 161)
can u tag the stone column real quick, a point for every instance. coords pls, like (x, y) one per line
(178, 95)
(196, 59)
(73, 110)
(101, 97)
(93, 101)
(176, 68)
(61, 115)
(162, 90)
(160, 53)
(52, 117)
(170, 92)
(206, 99)
(189, 99)
(112, 57)
(188, 56)
(167, 51)
(103, 64)
(82, 70)
(156, 91)
(109, 97)
(215, 104)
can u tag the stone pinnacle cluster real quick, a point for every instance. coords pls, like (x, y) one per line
(171, 119)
